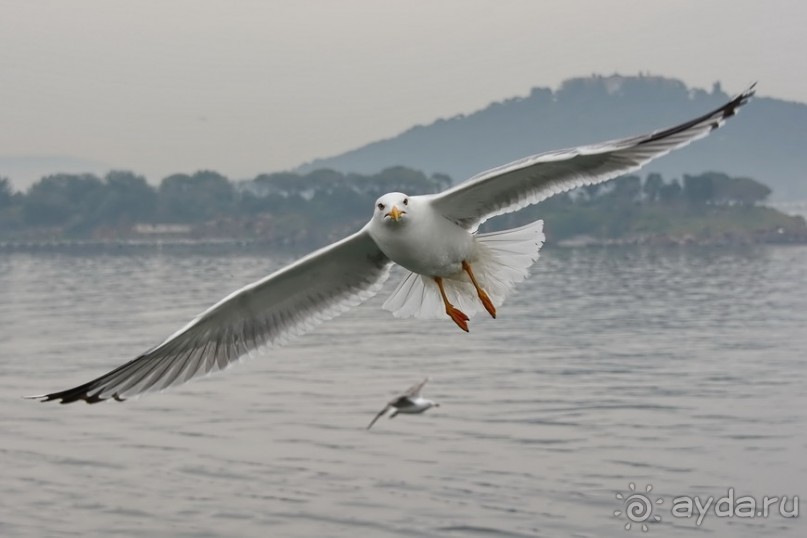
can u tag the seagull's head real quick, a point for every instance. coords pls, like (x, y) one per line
(432, 403)
(392, 208)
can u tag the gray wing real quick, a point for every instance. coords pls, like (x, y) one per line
(528, 181)
(414, 390)
(378, 416)
(402, 402)
(281, 306)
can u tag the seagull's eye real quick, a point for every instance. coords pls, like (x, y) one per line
(406, 201)
(380, 206)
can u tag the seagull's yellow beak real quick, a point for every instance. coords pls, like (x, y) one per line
(395, 213)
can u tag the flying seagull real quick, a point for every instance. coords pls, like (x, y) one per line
(452, 270)
(408, 402)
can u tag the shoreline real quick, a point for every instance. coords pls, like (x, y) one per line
(188, 244)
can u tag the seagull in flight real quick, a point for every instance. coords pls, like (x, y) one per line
(450, 269)
(408, 402)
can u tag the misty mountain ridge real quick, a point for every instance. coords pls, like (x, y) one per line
(766, 141)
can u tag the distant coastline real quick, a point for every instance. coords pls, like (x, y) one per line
(285, 247)
(292, 212)
(254, 245)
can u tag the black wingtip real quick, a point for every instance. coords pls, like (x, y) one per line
(730, 108)
(75, 395)
(713, 119)
(741, 99)
(43, 397)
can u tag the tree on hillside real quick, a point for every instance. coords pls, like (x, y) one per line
(627, 188)
(6, 194)
(62, 200)
(127, 198)
(720, 188)
(10, 214)
(196, 198)
(699, 190)
(324, 178)
(737, 190)
(281, 183)
(749, 192)
(670, 192)
(441, 181)
(652, 187)
(403, 179)
(398, 178)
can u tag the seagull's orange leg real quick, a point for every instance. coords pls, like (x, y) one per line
(482, 295)
(457, 315)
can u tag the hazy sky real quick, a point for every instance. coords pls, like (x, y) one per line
(244, 87)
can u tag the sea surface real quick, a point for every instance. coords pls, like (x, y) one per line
(683, 369)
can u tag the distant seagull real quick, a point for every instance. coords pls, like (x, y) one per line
(408, 402)
(433, 236)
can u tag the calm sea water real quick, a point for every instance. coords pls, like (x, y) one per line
(682, 369)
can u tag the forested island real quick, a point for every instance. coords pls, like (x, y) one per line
(307, 210)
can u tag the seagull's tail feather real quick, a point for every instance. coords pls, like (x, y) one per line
(416, 296)
(504, 260)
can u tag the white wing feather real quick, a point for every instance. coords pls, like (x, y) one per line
(533, 179)
(283, 305)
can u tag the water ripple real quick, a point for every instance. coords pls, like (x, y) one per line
(683, 368)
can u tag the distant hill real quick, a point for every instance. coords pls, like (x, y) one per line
(768, 141)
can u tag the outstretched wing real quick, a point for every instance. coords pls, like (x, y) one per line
(378, 416)
(414, 390)
(532, 179)
(281, 306)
